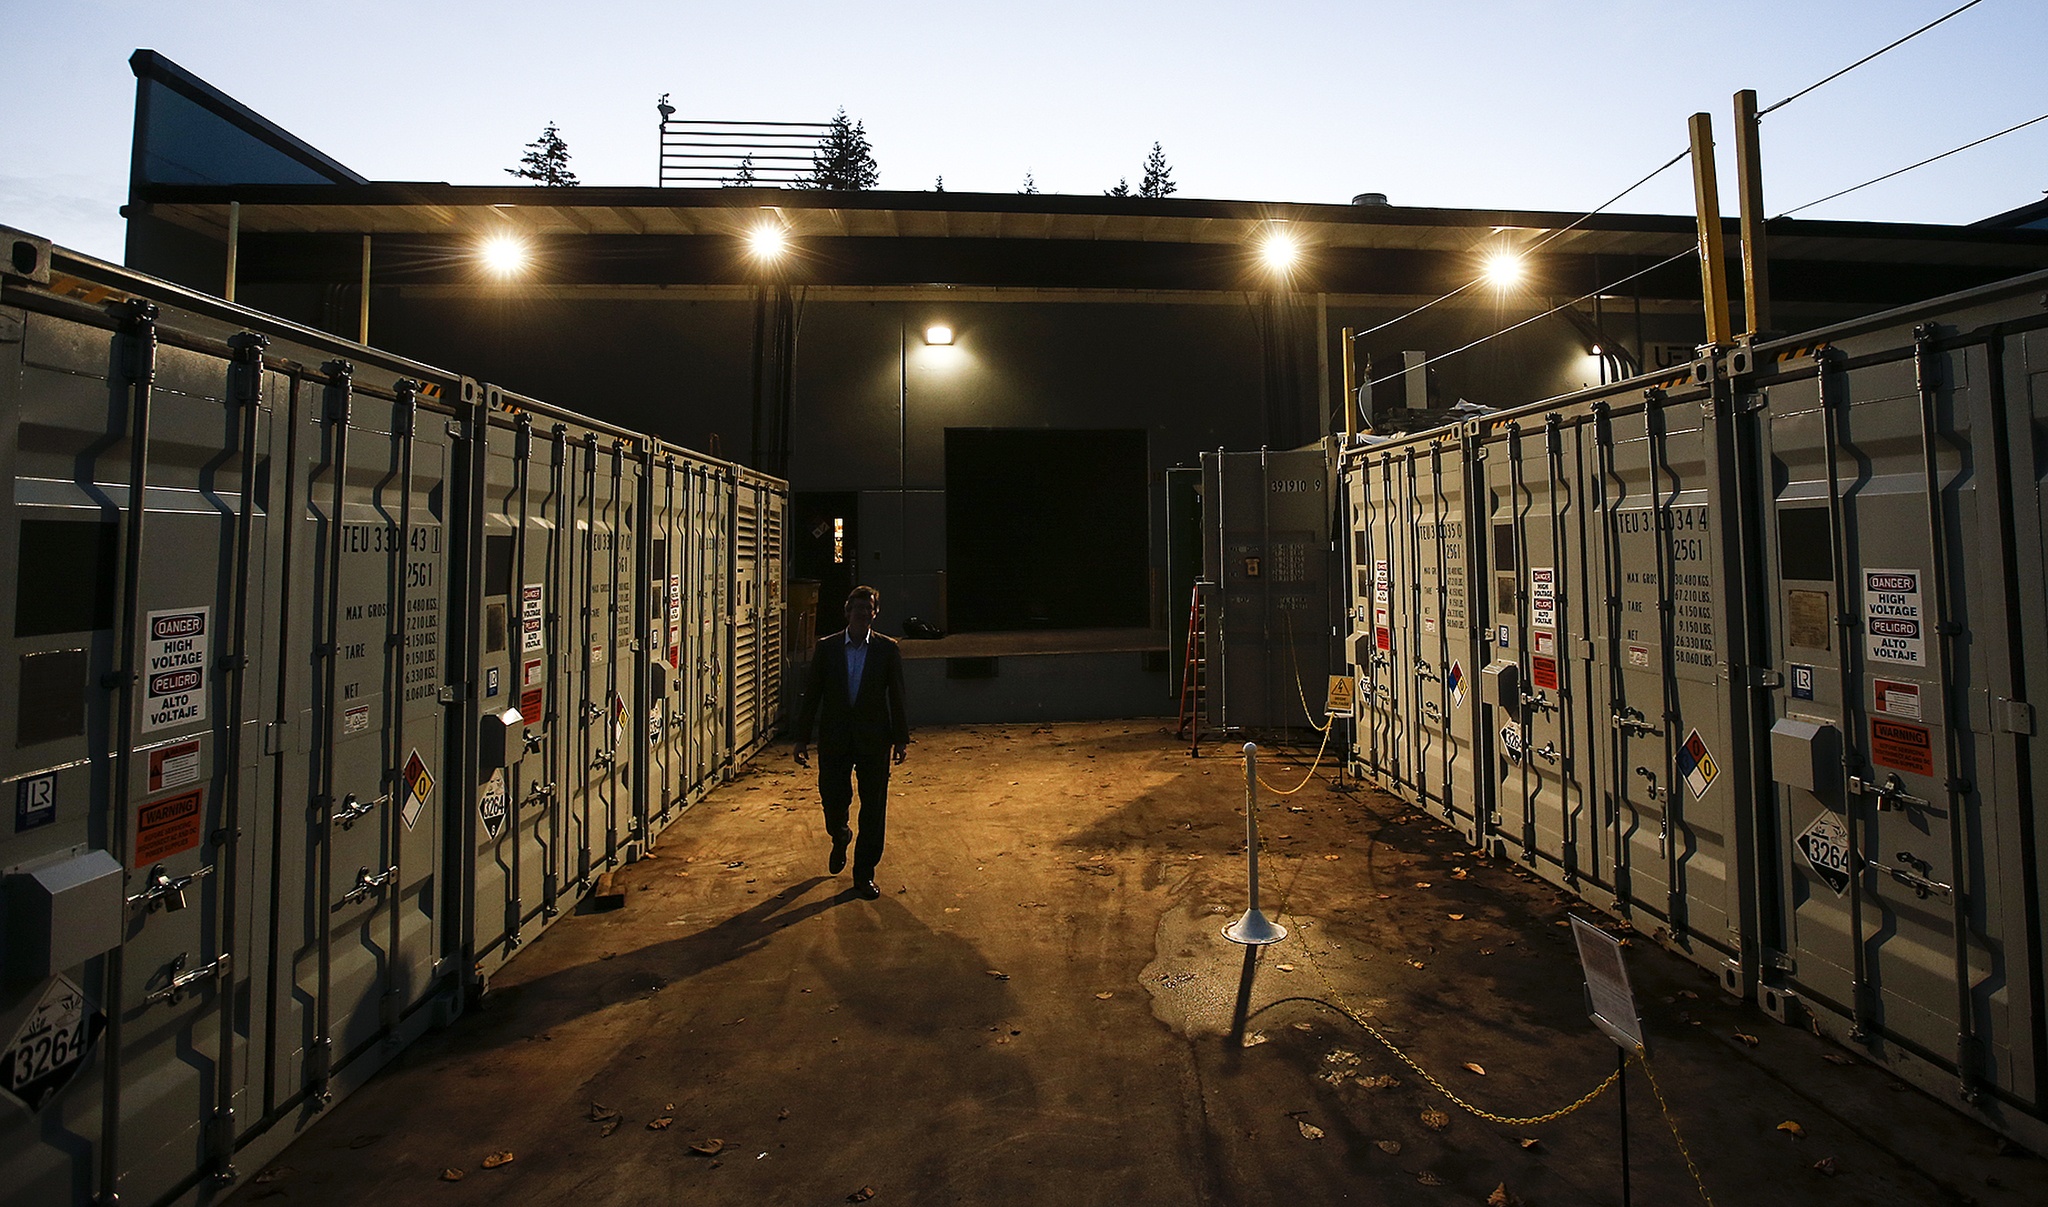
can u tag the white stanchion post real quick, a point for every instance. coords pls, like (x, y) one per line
(1254, 929)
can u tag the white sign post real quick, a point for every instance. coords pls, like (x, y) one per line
(1613, 1006)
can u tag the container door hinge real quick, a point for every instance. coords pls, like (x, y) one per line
(319, 1067)
(220, 1146)
(454, 428)
(2013, 716)
(1761, 676)
(451, 693)
(273, 737)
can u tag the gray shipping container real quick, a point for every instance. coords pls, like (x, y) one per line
(311, 731)
(1758, 652)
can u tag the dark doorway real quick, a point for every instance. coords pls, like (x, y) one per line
(1046, 529)
(823, 545)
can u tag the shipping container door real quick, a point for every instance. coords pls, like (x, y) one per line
(1878, 494)
(1669, 802)
(711, 557)
(69, 407)
(667, 736)
(373, 549)
(1447, 658)
(1386, 686)
(596, 600)
(747, 663)
(518, 833)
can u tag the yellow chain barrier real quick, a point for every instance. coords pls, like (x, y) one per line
(1446, 1091)
(1671, 1123)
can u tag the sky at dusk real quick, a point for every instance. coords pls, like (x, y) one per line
(1528, 104)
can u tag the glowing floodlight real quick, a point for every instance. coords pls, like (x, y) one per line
(768, 242)
(504, 254)
(938, 335)
(1279, 251)
(1503, 269)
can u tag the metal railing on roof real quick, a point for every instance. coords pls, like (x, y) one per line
(700, 153)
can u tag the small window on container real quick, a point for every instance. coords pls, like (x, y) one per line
(64, 577)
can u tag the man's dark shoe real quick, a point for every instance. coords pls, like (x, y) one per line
(866, 888)
(839, 841)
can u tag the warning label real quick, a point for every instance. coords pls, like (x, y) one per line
(530, 618)
(490, 805)
(1455, 678)
(1543, 671)
(355, 720)
(1901, 747)
(531, 674)
(1825, 844)
(1343, 691)
(174, 766)
(1543, 597)
(1696, 765)
(1897, 699)
(531, 704)
(1891, 616)
(168, 827)
(51, 1044)
(174, 661)
(419, 785)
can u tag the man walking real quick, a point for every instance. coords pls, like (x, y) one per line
(854, 696)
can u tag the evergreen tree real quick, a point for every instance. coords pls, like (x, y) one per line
(745, 176)
(1122, 189)
(546, 161)
(843, 161)
(1030, 185)
(1158, 180)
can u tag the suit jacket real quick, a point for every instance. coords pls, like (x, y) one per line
(874, 718)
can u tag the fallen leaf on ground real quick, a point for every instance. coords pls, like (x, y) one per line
(600, 1113)
(1309, 1131)
(609, 1128)
(1415, 963)
(1105, 995)
(1747, 1040)
(1284, 967)
(498, 1158)
(451, 1175)
(1001, 976)
(1389, 1147)
(862, 1195)
(1435, 1120)
(1825, 1166)
(1303, 1027)
(1503, 1197)
(1486, 951)
(1836, 1058)
(1384, 896)
(1475, 1067)
(1791, 1127)
(1531, 1142)
(1422, 884)
(1458, 873)
(1333, 857)
(1383, 1081)
(660, 1124)
(1457, 917)
(273, 1174)
(1428, 1179)
(708, 1147)
(782, 1114)
(1254, 1039)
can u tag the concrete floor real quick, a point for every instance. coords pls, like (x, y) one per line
(1040, 1010)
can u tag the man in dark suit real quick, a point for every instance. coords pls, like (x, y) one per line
(854, 696)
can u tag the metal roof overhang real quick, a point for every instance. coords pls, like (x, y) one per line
(921, 223)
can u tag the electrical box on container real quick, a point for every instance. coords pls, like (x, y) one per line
(497, 742)
(62, 914)
(1500, 684)
(1806, 754)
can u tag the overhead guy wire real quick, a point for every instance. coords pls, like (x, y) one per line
(1866, 58)
(1909, 167)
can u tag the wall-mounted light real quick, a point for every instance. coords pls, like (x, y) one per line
(504, 254)
(1503, 269)
(938, 335)
(1279, 251)
(768, 242)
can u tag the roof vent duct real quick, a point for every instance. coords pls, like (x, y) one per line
(1370, 199)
